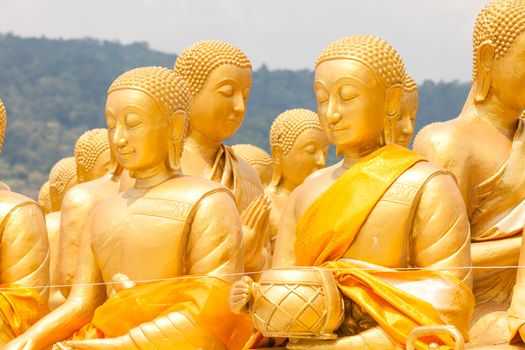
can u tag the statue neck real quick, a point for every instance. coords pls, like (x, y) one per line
(201, 145)
(353, 155)
(493, 111)
(152, 177)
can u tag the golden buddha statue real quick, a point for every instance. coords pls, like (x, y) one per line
(43, 197)
(490, 173)
(383, 209)
(299, 147)
(165, 229)
(92, 155)
(406, 123)
(62, 178)
(258, 159)
(24, 267)
(99, 176)
(219, 78)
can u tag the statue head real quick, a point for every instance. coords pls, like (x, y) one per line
(43, 197)
(499, 52)
(92, 155)
(218, 75)
(62, 177)
(3, 124)
(146, 112)
(299, 146)
(358, 85)
(258, 159)
(405, 124)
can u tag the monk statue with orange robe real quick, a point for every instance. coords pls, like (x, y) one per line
(299, 148)
(378, 227)
(24, 259)
(219, 77)
(155, 261)
(484, 147)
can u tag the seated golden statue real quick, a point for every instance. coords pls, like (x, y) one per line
(62, 177)
(43, 197)
(77, 205)
(382, 209)
(490, 173)
(406, 123)
(299, 147)
(24, 258)
(219, 78)
(165, 229)
(258, 159)
(92, 155)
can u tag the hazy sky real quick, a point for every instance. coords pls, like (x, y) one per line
(433, 36)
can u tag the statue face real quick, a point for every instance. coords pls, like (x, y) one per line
(307, 155)
(407, 119)
(138, 130)
(508, 75)
(264, 172)
(217, 111)
(351, 103)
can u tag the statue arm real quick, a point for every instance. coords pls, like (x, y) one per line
(516, 311)
(25, 249)
(75, 210)
(215, 240)
(78, 309)
(284, 254)
(441, 232)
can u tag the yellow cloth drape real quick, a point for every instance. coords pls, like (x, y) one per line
(20, 308)
(205, 298)
(327, 229)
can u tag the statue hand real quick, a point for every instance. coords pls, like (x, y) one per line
(255, 220)
(240, 295)
(123, 342)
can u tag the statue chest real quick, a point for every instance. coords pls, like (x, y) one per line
(143, 240)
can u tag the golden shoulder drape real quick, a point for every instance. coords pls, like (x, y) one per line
(327, 229)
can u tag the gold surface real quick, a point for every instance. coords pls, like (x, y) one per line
(258, 159)
(299, 148)
(490, 173)
(192, 224)
(219, 76)
(92, 155)
(359, 86)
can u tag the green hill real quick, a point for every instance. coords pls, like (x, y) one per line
(54, 90)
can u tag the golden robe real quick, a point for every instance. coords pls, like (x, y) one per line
(204, 298)
(237, 175)
(24, 264)
(328, 228)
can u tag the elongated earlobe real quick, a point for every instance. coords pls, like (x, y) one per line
(485, 61)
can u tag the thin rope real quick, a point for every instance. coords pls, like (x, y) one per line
(240, 274)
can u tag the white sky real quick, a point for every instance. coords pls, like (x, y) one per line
(433, 36)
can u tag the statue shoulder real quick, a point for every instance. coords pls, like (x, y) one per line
(88, 193)
(443, 140)
(10, 200)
